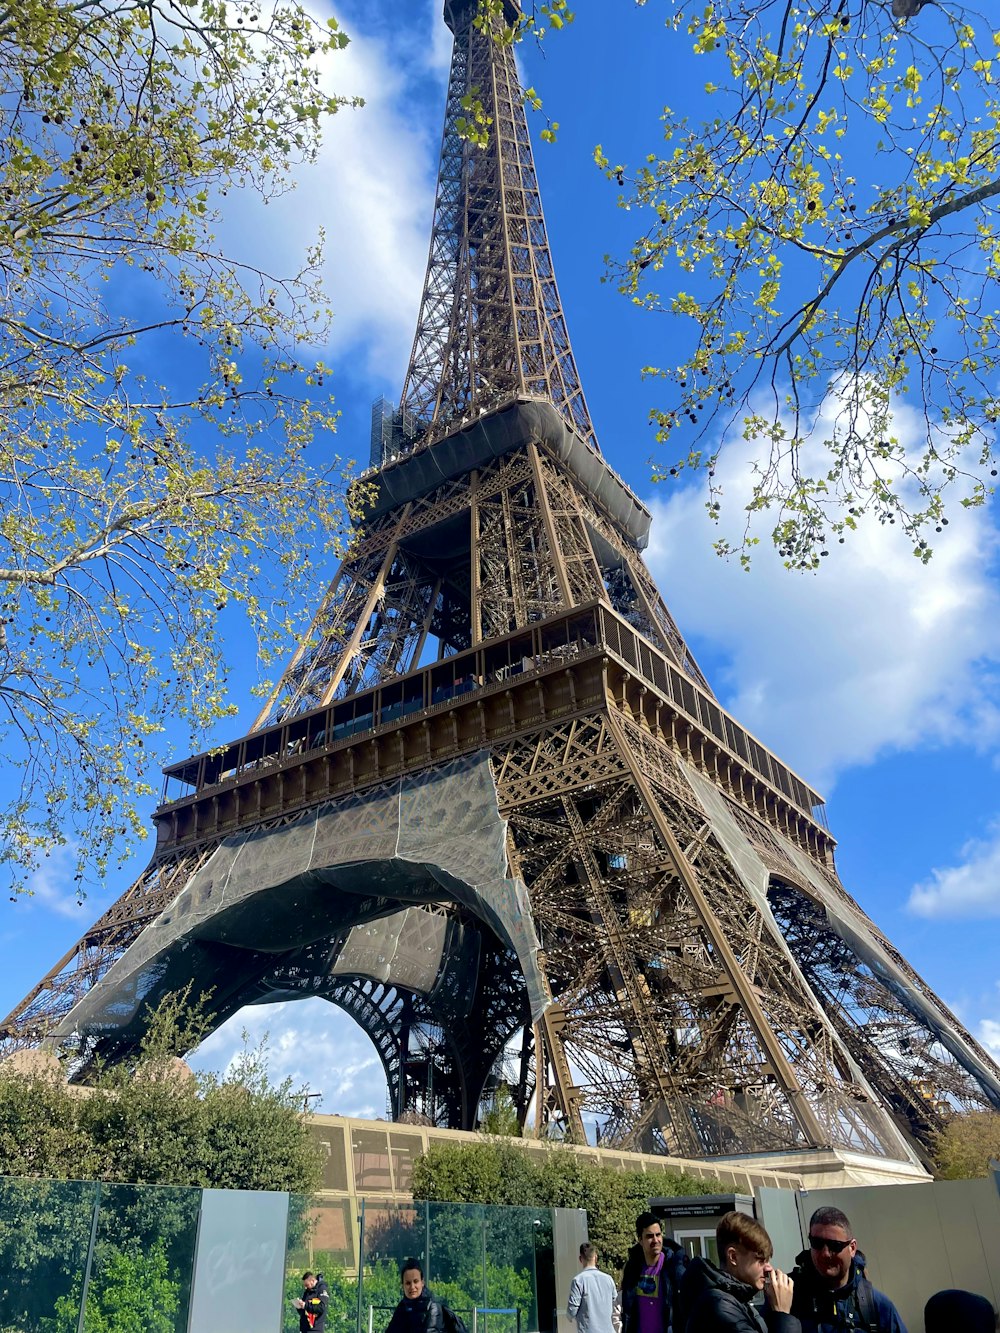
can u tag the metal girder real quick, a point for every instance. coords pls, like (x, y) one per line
(82, 966)
(437, 1061)
(906, 1057)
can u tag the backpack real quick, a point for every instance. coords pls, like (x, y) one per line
(864, 1293)
(452, 1322)
(675, 1265)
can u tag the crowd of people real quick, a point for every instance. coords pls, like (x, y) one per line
(663, 1290)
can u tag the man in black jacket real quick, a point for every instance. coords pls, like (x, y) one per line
(653, 1271)
(832, 1292)
(311, 1305)
(720, 1299)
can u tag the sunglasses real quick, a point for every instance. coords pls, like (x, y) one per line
(834, 1246)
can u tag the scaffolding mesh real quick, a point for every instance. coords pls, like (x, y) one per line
(357, 868)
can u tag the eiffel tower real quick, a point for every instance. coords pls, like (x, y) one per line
(493, 809)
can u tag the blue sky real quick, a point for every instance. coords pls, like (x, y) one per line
(875, 678)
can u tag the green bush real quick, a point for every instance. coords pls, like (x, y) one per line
(147, 1122)
(150, 1121)
(501, 1172)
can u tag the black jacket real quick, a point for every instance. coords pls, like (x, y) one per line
(313, 1318)
(674, 1263)
(718, 1303)
(424, 1315)
(821, 1310)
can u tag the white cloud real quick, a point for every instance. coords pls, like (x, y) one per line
(311, 1042)
(874, 653)
(53, 888)
(371, 190)
(989, 1035)
(969, 889)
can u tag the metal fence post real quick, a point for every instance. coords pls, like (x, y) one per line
(90, 1257)
(486, 1284)
(361, 1263)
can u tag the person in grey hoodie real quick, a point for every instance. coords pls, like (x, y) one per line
(719, 1299)
(593, 1296)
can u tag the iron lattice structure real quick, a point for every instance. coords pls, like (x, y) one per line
(538, 850)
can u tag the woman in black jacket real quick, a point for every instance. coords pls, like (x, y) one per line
(418, 1311)
(719, 1299)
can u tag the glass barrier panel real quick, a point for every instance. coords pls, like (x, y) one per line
(323, 1239)
(239, 1267)
(392, 1234)
(45, 1237)
(456, 1257)
(511, 1302)
(140, 1277)
(547, 1299)
(496, 1261)
(153, 1259)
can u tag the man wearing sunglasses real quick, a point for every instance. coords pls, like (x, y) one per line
(832, 1293)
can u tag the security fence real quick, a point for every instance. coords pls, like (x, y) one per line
(494, 1264)
(88, 1257)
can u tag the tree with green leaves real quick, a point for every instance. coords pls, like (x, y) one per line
(500, 1172)
(138, 1143)
(157, 485)
(969, 1146)
(492, 1171)
(827, 245)
(150, 1120)
(821, 229)
(500, 1116)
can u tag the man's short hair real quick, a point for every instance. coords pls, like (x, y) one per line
(645, 1220)
(588, 1251)
(409, 1264)
(745, 1232)
(954, 1309)
(830, 1217)
(308, 1273)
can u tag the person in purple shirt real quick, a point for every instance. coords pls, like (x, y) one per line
(652, 1273)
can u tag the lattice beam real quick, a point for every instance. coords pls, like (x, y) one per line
(491, 324)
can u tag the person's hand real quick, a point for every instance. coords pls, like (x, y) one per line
(299, 1303)
(778, 1290)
